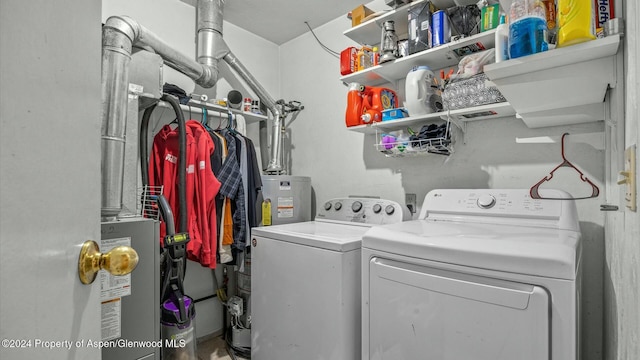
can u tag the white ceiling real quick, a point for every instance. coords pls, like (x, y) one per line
(282, 20)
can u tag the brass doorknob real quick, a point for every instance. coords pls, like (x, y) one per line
(120, 260)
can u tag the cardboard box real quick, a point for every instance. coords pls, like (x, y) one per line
(359, 13)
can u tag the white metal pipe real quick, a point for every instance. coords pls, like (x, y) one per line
(275, 165)
(116, 55)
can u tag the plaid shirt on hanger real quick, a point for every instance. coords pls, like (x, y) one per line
(231, 179)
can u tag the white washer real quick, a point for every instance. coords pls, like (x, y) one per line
(482, 275)
(305, 286)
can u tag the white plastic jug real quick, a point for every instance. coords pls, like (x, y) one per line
(418, 91)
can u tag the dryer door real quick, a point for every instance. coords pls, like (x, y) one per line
(419, 312)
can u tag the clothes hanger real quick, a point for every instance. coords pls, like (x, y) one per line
(595, 191)
(219, 123)
(204, 120)
(230, 124)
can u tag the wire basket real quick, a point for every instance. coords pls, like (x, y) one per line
(432, 139)
(440, 146)
(148, 204)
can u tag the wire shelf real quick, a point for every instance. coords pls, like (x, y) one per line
(148, 204)
(434, 138)
(440, 146)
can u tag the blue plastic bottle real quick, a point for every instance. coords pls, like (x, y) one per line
(527, 27)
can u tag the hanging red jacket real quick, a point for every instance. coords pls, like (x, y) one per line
(207, 187)
(201, 186)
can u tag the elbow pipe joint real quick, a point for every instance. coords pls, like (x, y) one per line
(123, 25)
(209, 77)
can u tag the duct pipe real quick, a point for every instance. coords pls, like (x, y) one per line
(119, 35)
(275, 165)
(209, 32)
(116, 55)
(211, 47)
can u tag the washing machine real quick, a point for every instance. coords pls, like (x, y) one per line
(306, 281)
(481, 274)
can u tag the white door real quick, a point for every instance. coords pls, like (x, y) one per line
(49, 176)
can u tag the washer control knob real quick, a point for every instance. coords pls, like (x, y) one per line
(356, 206)
(338, 206)
(327, 206)
(389, 209)
(377, 208)
(486, 201)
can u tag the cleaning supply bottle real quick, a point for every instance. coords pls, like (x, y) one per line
(575, 22)
(552, 25)
(354, 104)
(375, 56)
(502, 40)
(375, 100)
(527, 27)
(418, 90)
(364, 58)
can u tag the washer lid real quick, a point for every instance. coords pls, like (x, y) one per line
(326, 235)
(517, 249)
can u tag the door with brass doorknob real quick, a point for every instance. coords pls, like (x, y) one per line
(50, 98)
(120, 260)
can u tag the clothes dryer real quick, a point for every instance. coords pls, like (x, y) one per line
(482, 274)
(306, 281)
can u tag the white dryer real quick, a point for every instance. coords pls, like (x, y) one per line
(305, 286)
(482, 275)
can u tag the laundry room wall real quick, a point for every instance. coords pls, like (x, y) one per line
(341, 162)
(622, 264)
(174, 22)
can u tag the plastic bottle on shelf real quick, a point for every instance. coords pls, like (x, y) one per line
(502, 40)
(375, 56)
(354, 105)
(418, 91)
(527, 28)
(364, 58)
(575, 22)
(552, 24)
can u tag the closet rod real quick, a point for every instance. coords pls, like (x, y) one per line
(214, 110)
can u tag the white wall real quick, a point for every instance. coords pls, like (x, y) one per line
(622, 269)
(342, 163)
(174, 22)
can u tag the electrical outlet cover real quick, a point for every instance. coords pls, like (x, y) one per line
(410, 201)
(630, 194)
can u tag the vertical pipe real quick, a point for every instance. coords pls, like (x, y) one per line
(274, 166)
(208, 31)
(116, 55)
